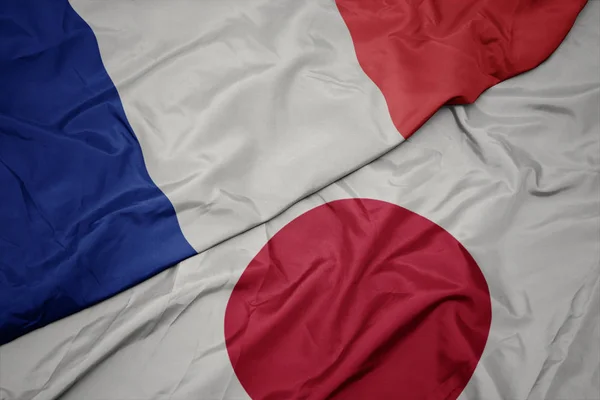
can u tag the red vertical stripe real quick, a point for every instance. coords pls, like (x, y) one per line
(426, 53)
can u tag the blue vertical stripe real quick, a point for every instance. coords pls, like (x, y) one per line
(80, 218)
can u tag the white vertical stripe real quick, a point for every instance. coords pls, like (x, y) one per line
(241, 107)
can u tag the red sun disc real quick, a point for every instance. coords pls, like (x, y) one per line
(358, 299)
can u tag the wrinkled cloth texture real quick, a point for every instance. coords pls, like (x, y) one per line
(454, 50)
(514, 178)
(134, 135)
